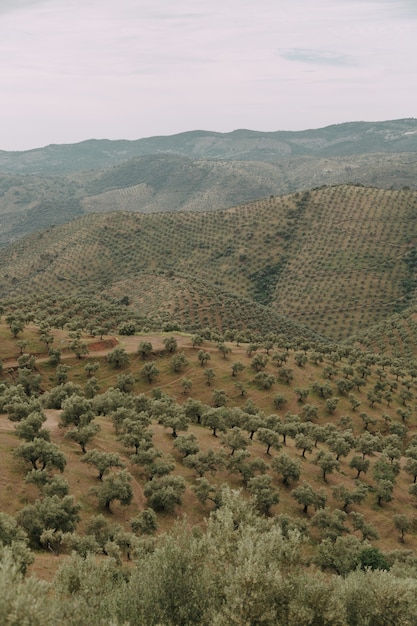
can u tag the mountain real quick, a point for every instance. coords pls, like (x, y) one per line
(197, 171)
(351, 138)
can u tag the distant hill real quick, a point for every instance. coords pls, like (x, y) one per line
(337, 260)
(351, 138)
(167, 182)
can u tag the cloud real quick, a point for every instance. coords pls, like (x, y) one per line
(316, 57)
(77, 68)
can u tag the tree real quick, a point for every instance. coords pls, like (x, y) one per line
(260, 488)
(306, 496)
(203, 357)
(304, 442)
(102, 461)
(264, 380)
(327, 462)
(214, 419)
(170, 344)
(285, 374)
(91, 368)
(384, 489)
(83, 434)
(31, 427)
(237, 367)
(354, 402)
(205, 461)
(360, 464)
(144, 349)
(186, 445)
(41, 454)
(145, 523)
(270, 438)
(14, 539)
(79, 348)
(118, 357)
(302, 393)
(125, 383)
(341, 444)
(288, 468)
(209, 374)
(174, 418)
(178, 362)
(205, 491)
(359, 523)
(241, 463)
(52, 512)
(279, 401)
(235, 440)
(186, 384)
(225, 350)
(136, 435)
(164, 493)
(300, 359)
(347, 497)
(342, 555)
(331, 523)
(411, 468)
(114, 487)
(259, 362)
(149, 371)
(197, 340)
(219, 398)
(367, 444)
(76, 411)
(403, 524)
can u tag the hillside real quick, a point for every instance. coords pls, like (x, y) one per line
(336, 140)
(336, 260)
(196, 171)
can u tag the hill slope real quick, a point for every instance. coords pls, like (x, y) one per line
(336, 140)
(336, 259)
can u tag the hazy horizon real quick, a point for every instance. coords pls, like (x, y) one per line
(143, 68)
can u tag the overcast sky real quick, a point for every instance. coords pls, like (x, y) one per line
(125, 69)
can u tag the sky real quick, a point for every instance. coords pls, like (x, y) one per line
(72, 70)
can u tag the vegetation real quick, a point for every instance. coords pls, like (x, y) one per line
(175, 450)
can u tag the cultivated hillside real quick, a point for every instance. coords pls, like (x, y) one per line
(336, 259)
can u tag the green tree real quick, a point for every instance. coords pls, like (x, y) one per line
(210, 375)
(186, 384)
(178, 362)
(41, 454)
(305, 495)
(327, 462)
(170, 344)
(360, 464)
(145, 523)
(118, 357)
(347, 497)
(144, 349)
(203, 357)
(102, 461)
(403, 524)
(52, 512)
(164, 493)
(115, 486)
(260, 488)
(83, 435)
(237, 367)
(288, 468)
(235, 440)
(205, 461)
(186, 445)
(149, 371)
